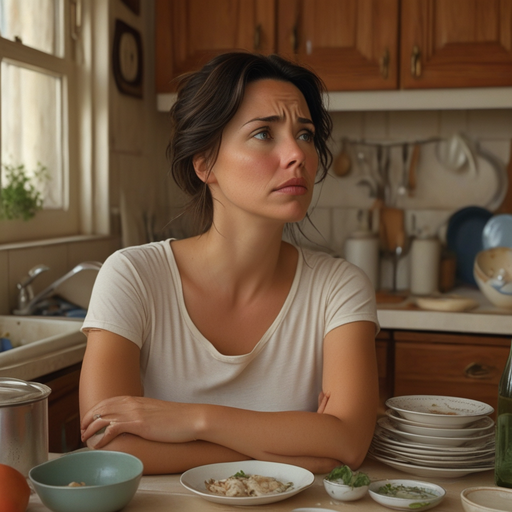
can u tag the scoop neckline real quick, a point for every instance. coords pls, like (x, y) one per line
(203, 340)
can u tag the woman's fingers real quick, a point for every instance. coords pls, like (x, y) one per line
(323, 398)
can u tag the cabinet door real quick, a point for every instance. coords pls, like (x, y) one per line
(456, 43)
(468, 371)
(188, 33)
(351, 44)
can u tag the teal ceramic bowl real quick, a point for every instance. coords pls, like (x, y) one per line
(111, 480)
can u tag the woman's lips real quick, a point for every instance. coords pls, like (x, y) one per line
(295, 186)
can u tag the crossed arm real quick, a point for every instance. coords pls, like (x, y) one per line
(171, 437)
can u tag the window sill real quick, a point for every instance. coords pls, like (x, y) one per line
(54, 241)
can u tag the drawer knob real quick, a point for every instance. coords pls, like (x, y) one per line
(479, 371)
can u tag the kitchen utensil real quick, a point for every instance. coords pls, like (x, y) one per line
(502, 182)
(464, 238)
(362, 249)
(111, 480)
(439, 410)
(342, 492)
(498, 232)
(506, 205)
(425, 258)
(446, 303)
(413, 165)
(392, 221)
(432, 494)
(23, 423)
(486, 499)
(194, 479)
(493, 275)
(457, 154)
(342, 163)
(404, 184)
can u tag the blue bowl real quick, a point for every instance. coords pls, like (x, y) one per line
(111, 480)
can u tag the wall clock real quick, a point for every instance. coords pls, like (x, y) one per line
(127, 59)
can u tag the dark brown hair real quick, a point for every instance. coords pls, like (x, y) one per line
(209, 98)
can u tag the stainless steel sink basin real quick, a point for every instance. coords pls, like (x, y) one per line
(42, 345)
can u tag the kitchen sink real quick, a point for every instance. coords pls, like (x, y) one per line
(41, 345)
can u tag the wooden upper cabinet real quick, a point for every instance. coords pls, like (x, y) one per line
(351, 44)
(188, 33)
(456, 43)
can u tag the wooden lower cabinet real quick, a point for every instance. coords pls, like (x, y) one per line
(385, 363)
(468, 366)
(63, 409)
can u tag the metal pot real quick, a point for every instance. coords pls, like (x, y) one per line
(23, 424)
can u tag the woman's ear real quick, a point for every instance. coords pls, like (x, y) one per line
(202, 169)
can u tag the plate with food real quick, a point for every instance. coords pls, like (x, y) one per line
(250, 482)
(445, 411)
(406, 494)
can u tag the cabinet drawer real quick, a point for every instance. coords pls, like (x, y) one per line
(453, 370)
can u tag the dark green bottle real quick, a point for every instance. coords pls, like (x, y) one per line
(503, 463)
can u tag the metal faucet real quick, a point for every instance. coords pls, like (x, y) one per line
(27, 302)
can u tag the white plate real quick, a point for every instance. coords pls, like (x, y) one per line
(413, 469)
(194, 480)
(433, 440)
(403, 503)
(446, 411)
(456, 457)
(433, 463)
(485, 425)
(446, 303)
(498, 232)
(384, 436)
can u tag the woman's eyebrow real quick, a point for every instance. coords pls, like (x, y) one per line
(275, 119)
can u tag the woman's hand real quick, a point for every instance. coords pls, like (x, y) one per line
(154, 420)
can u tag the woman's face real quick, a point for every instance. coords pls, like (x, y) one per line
(267, 161)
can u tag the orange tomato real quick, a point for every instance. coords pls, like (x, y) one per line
(14, 490)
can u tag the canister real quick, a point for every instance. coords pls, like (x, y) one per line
(23, 423)
(362, 249)
(425, 257)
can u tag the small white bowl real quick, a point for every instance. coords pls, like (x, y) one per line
(486, 499)
(405, 503)
(489, 265)
(342, 492)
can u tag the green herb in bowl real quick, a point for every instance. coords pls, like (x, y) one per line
(343, 474)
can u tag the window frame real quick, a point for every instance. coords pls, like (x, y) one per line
(67, 221)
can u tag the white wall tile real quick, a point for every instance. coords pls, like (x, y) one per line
(409, 125)
(375, 125)
(452, 121)
(490, 124)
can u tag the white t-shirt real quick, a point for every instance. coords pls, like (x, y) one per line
(138, 295)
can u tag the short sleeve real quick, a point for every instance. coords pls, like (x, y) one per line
(118, 300)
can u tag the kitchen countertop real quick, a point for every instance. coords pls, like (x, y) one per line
(484, 319)
(164, 493)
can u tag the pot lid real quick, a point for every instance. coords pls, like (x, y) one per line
(16, 391)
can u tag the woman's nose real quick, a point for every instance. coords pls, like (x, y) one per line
(292, 153)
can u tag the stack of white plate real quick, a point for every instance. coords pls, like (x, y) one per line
(442, 436)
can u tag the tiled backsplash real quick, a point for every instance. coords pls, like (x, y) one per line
(61, 256)
(438, 193)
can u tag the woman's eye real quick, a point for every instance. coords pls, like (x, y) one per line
(263, 135)
(308, 136)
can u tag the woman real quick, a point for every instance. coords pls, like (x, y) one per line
(234, 344)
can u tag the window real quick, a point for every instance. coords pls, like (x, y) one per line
(39, 110)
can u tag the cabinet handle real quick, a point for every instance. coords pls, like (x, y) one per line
(294, 39)
(416, 62)
(479, 371)
(384, 64)
(257, 37)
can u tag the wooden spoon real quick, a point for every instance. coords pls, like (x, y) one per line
(342, 163)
